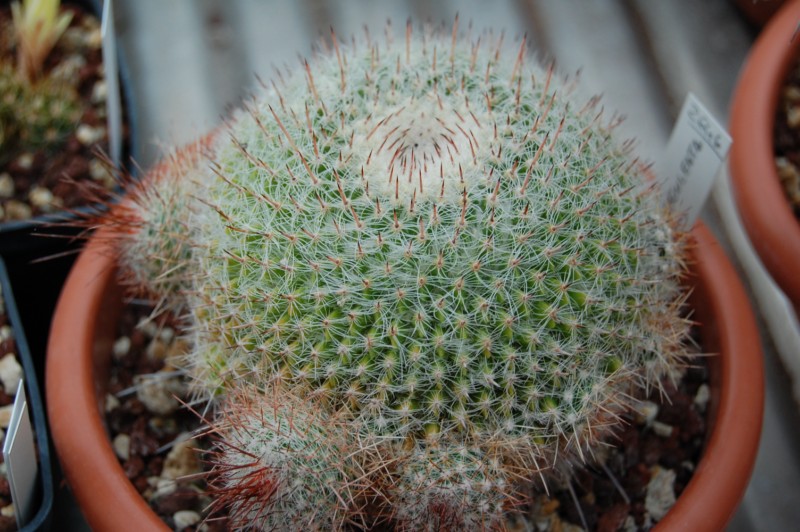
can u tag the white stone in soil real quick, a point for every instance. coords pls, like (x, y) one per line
(6, 332)
(148, 327)
(182, 459)
(99, 92)
(25, 161)
(5, 415)
(163, 486)
(10, 373)
(111, 403)
(166, 334)
(7, 511)
(16, 210)
(122, 446)
(662, 429)
(646, 412)
(88, 135)
(702, 397)
(158, 393)
(100, 173)
(121, 347)
(660, 496)
(6, 185)
(42, 198)
(185, 518)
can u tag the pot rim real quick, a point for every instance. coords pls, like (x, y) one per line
(767, 216)
(94, 473)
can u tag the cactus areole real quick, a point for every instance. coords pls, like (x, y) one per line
(438, 253)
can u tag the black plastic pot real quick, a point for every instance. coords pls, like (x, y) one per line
(44, 504)
(39, 252)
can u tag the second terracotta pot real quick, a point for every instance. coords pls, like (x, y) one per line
(766, 213)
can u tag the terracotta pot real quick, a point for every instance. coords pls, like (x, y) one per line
(758, 12)
(82, 333)
(766, 213)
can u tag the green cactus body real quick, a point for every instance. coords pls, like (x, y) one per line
(447, 246)
(286, 465)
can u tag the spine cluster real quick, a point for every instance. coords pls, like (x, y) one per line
(434, 243)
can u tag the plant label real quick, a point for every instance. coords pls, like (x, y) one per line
(695, 152)
(19, 454)
(113, 101)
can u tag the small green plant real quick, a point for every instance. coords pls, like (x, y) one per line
(36, 110)
(440, 253)
(34, 116)
(38, 24)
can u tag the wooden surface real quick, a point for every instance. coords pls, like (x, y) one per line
(192, 60)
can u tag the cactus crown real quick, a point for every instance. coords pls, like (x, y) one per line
(445, 247)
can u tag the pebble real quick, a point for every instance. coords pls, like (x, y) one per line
(6, 332)
(121, 347)
(112, 403)
(157, 394)
(25, 161)
(662, 429)
(646, 412)
(793, 116)
(42, 198)
(88, 135)
(7, 511)
(660, 492)
(182, 459)
(94, 39)
(122, 446)
(100, 173)
(166, 334)
(792, 94)
(5, 415)
(702, 397)
(185, 518)
(148, 327)
(164, 486)
(16, 210)
(6, 185)
(10, 373)
(99, 92)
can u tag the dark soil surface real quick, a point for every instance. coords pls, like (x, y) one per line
(787, 138)
(664, 441)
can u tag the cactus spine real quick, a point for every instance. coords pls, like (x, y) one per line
(445, 247)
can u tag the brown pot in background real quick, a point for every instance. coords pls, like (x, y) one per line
(758, 12)
(83, 331)
(766, 213)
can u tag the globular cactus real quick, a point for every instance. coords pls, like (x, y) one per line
(284, 464)
(151, 226)
(441, 244)
(33, 116)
